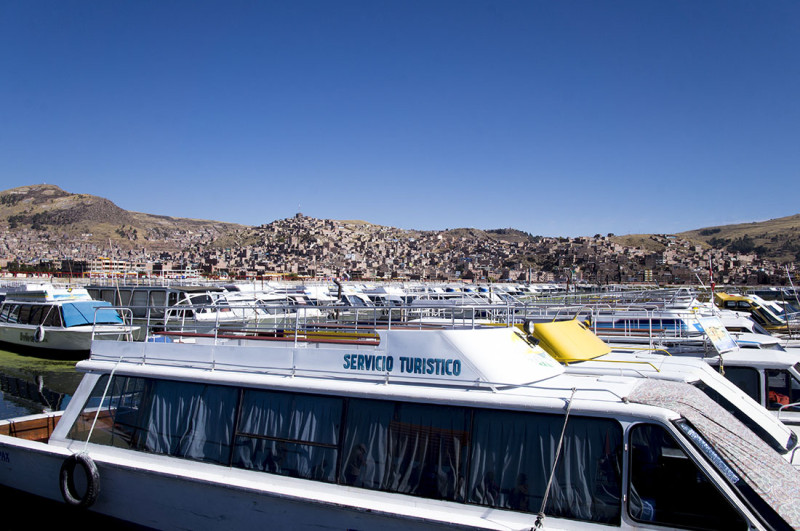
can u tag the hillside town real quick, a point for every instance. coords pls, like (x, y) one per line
(303, 247)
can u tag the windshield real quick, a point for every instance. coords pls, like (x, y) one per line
(783, 390)
(774, 516)
(779, 446)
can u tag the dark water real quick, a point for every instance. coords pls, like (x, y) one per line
(30, 384)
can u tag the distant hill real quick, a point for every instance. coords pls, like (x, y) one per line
(778, 239)
(56, 213)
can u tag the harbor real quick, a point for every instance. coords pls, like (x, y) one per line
(394, 392)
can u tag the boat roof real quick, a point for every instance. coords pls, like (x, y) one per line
(498, 356)
(584, 353)
(47, 293)
(171, 287)
(759, 358)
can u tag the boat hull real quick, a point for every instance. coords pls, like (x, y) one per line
(165, 499)
(57, 341)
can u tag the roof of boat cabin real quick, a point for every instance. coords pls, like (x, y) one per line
(758, 358)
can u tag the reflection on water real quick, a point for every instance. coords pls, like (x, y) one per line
(30, 384)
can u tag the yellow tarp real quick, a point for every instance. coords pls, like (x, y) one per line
(569, 341)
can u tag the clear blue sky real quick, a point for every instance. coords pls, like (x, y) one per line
(559, 118)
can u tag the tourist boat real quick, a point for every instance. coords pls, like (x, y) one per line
(770, 377)
(164, 307)
(757, 363)
(398, 429)
(582, 352)
(766, 313)
(56, 322)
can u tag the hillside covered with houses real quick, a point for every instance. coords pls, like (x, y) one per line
(306, 247)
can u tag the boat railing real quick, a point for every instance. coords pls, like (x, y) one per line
(296, 365)
(654, 326)
(630, 299)
(280, 319)
(113, 323)
(153, 323)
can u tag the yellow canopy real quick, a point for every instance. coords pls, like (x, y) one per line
(569, 341)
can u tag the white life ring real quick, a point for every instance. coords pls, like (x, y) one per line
(67, 480)
(38, 335)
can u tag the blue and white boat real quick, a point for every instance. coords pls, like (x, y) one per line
(58, 321)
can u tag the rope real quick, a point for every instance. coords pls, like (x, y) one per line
(540, 514)
(100, 405)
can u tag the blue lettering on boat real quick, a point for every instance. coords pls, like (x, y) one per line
(368, 362)
(437, 366)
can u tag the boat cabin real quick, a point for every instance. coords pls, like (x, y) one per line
(401, 429)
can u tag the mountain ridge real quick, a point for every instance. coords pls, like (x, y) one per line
(48, 208)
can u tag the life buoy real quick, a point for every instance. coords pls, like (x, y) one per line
(67, 480)
(38, 335)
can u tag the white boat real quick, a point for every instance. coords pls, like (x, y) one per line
(768, 314)
(757, 363)
(770, 377)
(57, 322)
(408, 429)
(582, 352)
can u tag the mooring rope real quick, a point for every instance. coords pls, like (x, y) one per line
(540, 514)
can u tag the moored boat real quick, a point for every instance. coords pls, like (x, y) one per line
(404, 429)
(57, 322)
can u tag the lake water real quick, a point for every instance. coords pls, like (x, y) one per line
(20, 379)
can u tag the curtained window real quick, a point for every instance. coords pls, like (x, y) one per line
(513, 454)
(415, 449)
(181, 419)
(288, 434)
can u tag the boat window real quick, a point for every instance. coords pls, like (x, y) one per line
(158, 302)
(782, 390)
(108, 295)
(181, 419)
(52, 316)
(200, 300)
(291, 435)
(355, 301)
(498, 459)
(666, 487)
(124, 297)
(138, 304)
(13, 313)
(416, 449)
(758, 329)
(747, 379)
(268, 309)
(24, 316)
(37, 314)
(766, 318)
(513, 455)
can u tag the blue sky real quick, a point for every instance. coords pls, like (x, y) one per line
(559, 118)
